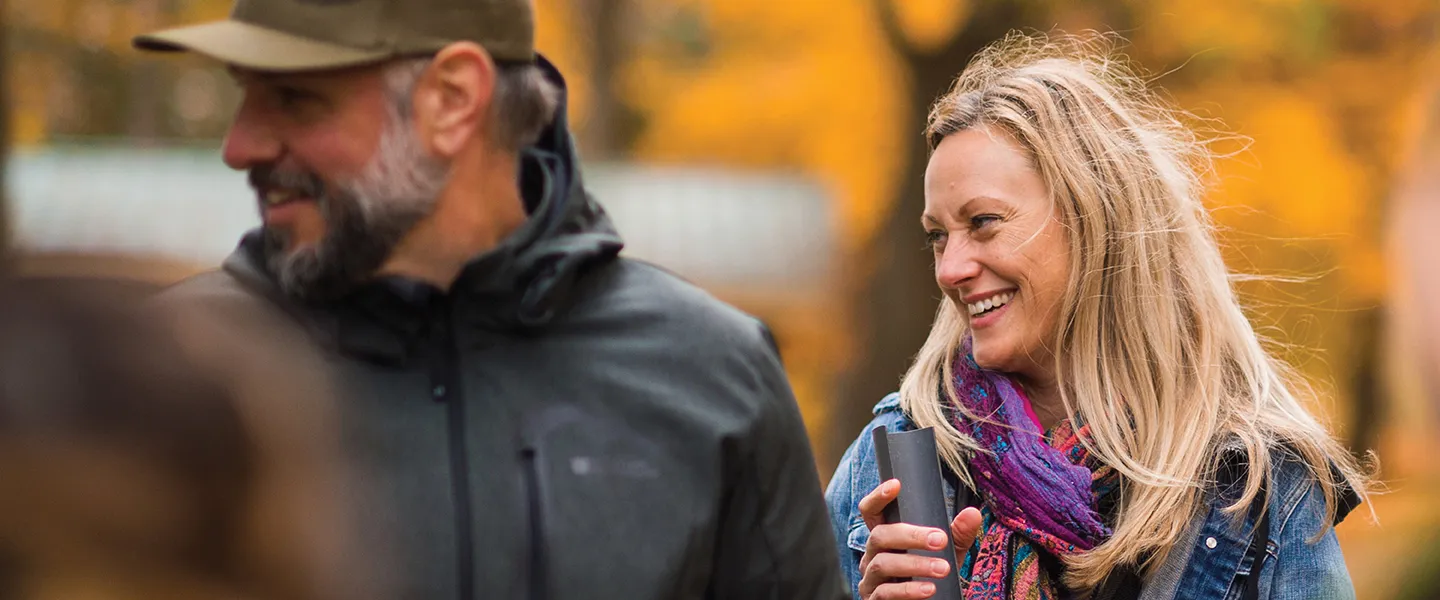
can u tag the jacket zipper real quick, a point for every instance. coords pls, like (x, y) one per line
(537, 526)
(448, 389)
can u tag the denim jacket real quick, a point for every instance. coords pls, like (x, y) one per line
(1212, 561)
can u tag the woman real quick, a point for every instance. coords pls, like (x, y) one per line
(1108, 419)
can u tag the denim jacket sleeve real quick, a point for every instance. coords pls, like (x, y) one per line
(1302, 567)
(855, 477)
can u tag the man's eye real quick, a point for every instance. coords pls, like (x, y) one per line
(288, 96)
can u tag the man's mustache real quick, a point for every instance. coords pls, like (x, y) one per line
(269, 177)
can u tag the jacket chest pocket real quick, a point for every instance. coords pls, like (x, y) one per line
(613, 514)
(859, 534)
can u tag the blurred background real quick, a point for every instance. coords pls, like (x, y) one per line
(771, 152)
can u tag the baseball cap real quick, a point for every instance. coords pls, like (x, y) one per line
(311, 35)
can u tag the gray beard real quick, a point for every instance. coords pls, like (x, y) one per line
(365, 219)
(352, 249)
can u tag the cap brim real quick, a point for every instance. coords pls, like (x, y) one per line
(256, 48)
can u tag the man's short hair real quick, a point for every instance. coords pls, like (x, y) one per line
(522, 106)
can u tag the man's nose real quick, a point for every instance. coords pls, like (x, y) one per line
(251, 140)
(958, 264)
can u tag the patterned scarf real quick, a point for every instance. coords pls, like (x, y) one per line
(1041, 492)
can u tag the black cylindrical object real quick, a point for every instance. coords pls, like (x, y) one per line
(910, 456)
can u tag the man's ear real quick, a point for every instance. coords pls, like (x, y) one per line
(453, 98)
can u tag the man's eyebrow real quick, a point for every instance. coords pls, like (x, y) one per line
(239, 75)
(248, 76)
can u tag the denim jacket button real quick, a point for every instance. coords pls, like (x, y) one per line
(1211, 543)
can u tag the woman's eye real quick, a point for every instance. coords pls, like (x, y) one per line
(981, 221)
(934, 238)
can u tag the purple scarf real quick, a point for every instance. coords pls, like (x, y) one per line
(1040, 494)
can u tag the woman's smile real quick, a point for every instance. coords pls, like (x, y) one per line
(986, 309)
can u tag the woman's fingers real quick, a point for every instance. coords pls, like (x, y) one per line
(891, 565)
(904, 536)
(873, 504)
(964, 529)
(878, 577)
(909, 590)
(884, 561)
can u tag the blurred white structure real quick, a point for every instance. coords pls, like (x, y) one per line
(722, 228)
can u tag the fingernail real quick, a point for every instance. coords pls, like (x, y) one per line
(927, 588)
(889, 487)
(936, 540)
(940, 568)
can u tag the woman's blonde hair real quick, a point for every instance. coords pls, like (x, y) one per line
(1154, 351)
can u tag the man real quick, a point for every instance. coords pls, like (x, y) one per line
(534, 416)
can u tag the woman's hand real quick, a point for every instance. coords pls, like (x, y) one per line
(882, 563)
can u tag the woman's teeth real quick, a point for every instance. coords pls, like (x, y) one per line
(990, 303)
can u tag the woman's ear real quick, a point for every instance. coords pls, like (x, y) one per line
(452, 98)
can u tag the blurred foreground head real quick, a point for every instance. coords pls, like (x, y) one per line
(135, 464)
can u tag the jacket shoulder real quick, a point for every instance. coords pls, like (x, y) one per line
(653, 300)
(1289, 482)
(889, 404)
(218, 293)
(854, 477)
(887, 414)
(861, 453)
(1298, 490)
(208, 286)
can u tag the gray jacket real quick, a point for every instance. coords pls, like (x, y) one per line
(564, 422)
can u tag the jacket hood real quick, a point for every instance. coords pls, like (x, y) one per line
(526, 280)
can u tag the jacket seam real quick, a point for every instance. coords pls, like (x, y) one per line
(773, 572)
(1293, 500)
(853, 511)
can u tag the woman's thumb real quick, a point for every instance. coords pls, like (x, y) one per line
(964, 529)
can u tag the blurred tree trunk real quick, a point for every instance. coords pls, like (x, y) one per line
(1367, 388)
(604, 133)
(4, 137)
(148, 84)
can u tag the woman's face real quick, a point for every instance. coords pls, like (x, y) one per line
(1001, 255)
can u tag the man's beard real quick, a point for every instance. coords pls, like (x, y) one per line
(365, 218)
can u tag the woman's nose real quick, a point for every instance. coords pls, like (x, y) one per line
(956, 265)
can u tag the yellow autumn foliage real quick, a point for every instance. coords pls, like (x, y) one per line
(787, 86)
(1295, 170)
(930, 24)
